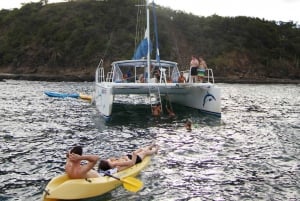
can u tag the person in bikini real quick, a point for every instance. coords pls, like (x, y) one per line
(201, 70)
(127, 161)
(73, 167)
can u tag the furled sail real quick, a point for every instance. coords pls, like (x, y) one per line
(142, 49)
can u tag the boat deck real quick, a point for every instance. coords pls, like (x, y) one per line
(143, 88)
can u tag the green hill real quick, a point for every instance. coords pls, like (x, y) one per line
(70, 38)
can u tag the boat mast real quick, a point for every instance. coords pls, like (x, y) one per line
(157, 57)
(148, 39)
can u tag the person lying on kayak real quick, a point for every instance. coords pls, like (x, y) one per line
(73, 167)
(129, 160)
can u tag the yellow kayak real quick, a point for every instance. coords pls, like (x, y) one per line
(61, 187)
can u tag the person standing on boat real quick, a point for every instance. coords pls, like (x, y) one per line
(201, 69)
(194, 64)
(73, 167)
(156, 74)
(129, 75)
(129, 160)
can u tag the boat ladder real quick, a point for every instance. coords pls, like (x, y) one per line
(100, 72)
(109, 77)
(154, 96)
(163, 77)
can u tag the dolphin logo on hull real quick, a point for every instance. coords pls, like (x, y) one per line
(207, 98)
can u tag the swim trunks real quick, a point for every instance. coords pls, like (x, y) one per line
(194, 71)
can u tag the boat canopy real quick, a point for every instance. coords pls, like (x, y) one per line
(143, 63)
(133, 70)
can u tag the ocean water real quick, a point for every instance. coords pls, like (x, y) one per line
(251, 153)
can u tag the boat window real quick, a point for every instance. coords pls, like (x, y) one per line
(175, 74)
(117, 74)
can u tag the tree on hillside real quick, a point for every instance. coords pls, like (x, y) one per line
(76, 34)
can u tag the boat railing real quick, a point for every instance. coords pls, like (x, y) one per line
(210, 75)
(97, 74)
(116, 74)
(100, 72)
(175, 74)
(109, 77)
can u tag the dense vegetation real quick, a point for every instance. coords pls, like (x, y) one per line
(71, 37)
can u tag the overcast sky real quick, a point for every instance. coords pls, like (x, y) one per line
(278, 10)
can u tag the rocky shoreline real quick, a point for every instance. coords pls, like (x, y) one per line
(49, 78)
(89, 78)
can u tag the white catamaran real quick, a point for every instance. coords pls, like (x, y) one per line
(157, 79)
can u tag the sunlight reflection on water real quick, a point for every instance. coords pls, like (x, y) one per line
(251, 153)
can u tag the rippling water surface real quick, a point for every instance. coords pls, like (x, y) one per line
(251, 153)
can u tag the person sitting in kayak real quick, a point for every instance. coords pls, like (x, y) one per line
(73, 167)
(128, 160)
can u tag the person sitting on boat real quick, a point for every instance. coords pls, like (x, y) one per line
(129, 160)
(73, 166)
(156, 110)
(169, 80)
(125, 77)
(156, 74)
(129, 75)
(181, 78)
(141, 78)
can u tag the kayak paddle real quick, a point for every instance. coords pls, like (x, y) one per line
(129, 183)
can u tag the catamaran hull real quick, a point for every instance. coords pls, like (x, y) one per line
(205, 97)
(104, 100)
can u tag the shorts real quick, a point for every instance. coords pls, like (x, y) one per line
(194, 71)
(201, 72)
